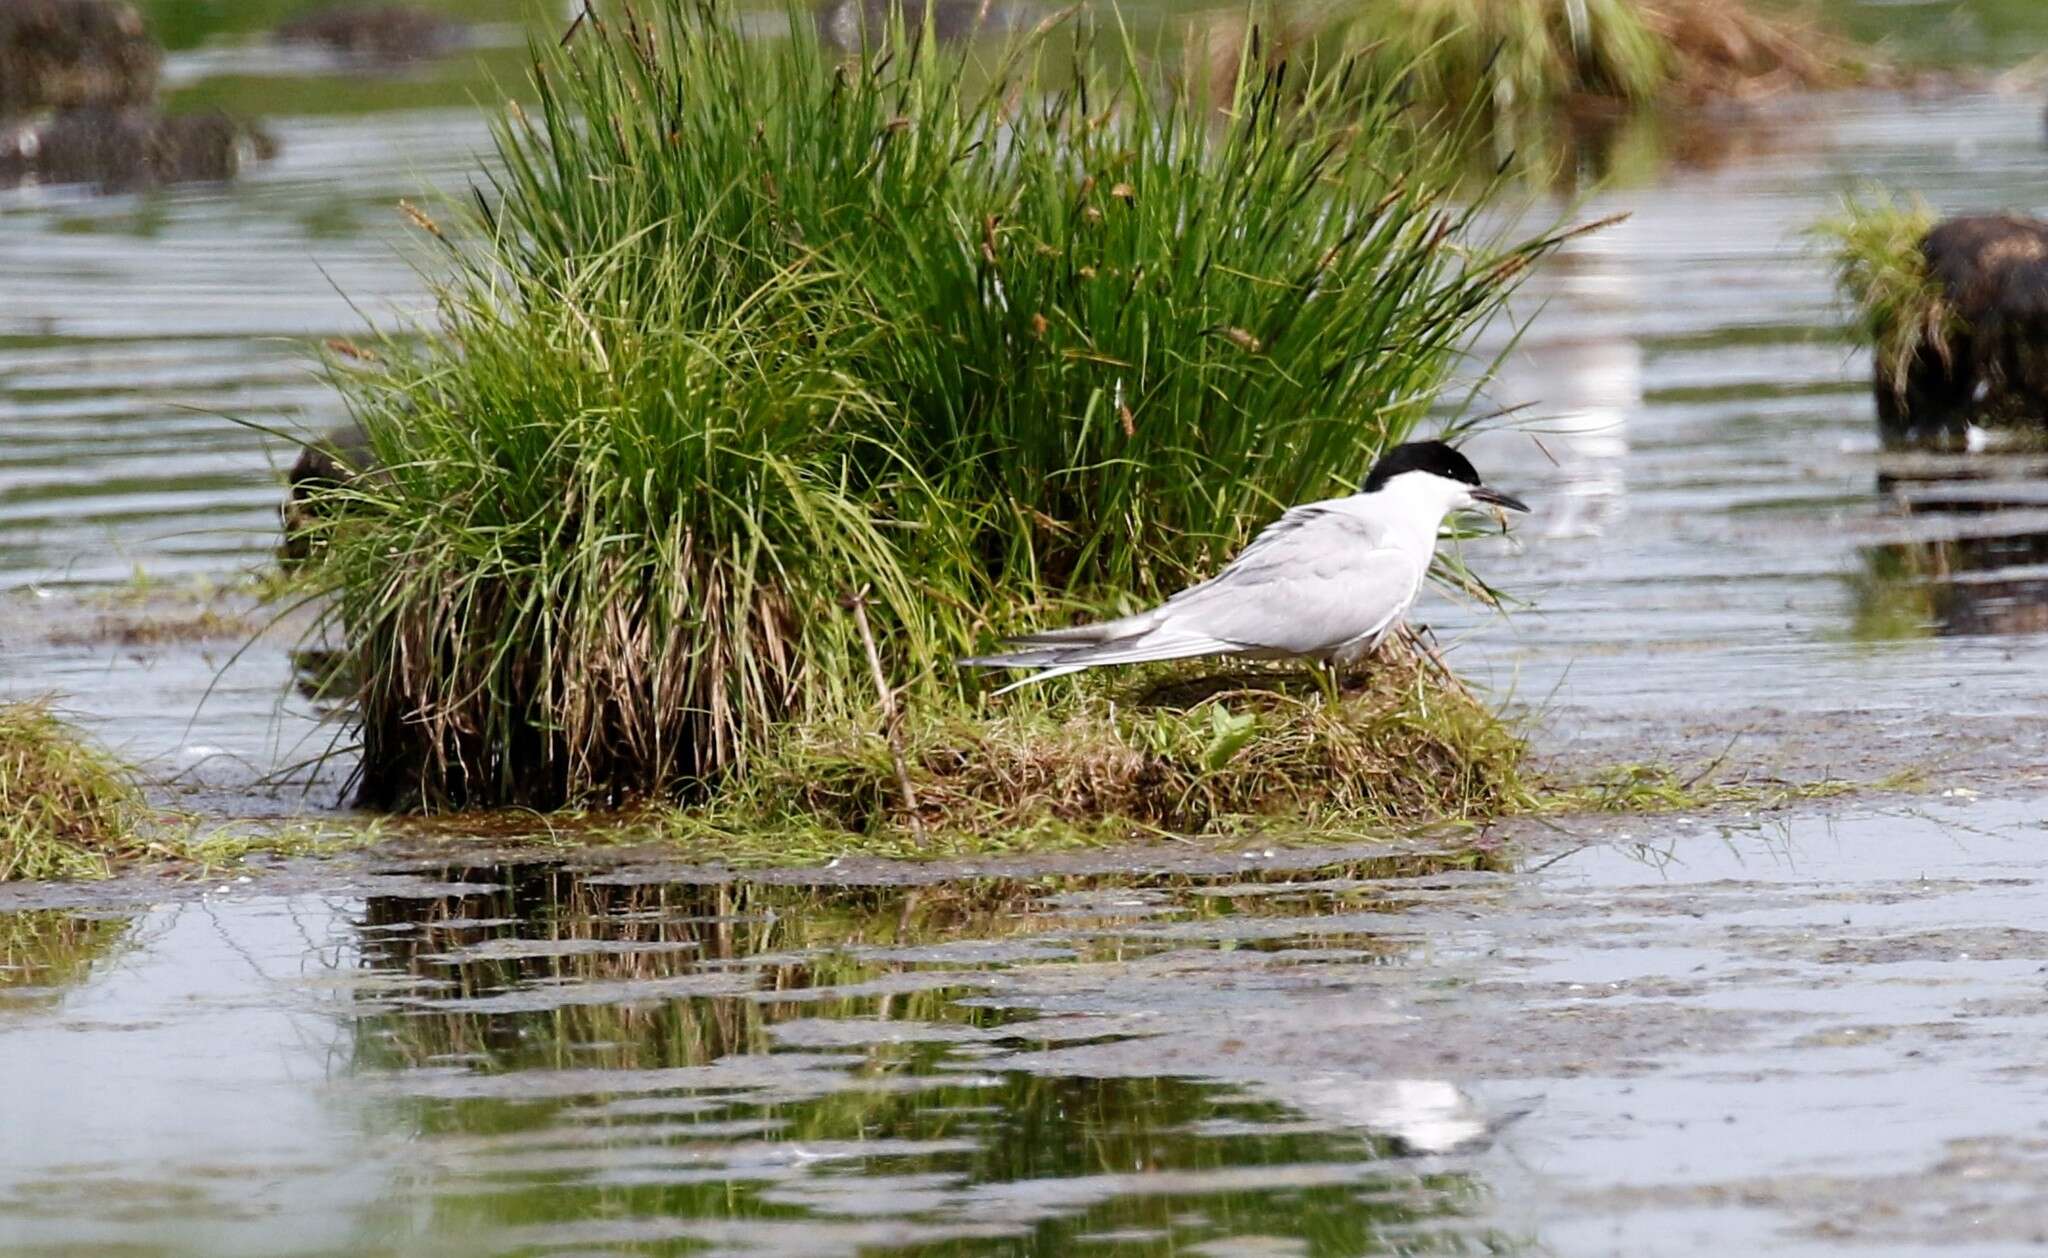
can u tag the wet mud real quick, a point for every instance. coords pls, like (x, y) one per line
(129, 150)
(74, 54)
(375, 35)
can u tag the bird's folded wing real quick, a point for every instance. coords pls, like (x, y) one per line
(1305, 586)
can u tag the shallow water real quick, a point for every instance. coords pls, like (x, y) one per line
(1709, 485)
(1691, 1035)
(1746, 1037)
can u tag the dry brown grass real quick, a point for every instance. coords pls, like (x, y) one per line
(1517, 57)
(1213, 755)
(1720, 50)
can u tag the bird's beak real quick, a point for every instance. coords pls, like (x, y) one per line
(1495, 498)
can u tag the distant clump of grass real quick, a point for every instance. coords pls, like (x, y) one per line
(1540, 79)
(67, 808)
(1510, 55)
(743, 332)
(1902, 311)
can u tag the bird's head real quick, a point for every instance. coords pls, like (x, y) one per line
(1435, 473)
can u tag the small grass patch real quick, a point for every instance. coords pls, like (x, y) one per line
(1204, 759)
(1901, 310)
(159, 628)
(68, 809)
(1653, 788)
(1211, 756)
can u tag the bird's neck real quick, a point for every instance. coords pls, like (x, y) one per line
(1412, 508)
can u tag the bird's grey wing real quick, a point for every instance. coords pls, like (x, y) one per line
(1274, 544)
(1315, 579)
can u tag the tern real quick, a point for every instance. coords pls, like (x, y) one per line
(1327, 581)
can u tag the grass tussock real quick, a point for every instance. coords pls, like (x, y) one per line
(744, 330)
(1210, 756)
(67, 808)
(1733, 50)
(1901, 309)
(1508, 56)
(1550, 82)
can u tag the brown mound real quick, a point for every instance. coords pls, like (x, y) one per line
(1723, 50)
(390, 33)
(67, 54)
(124, 150)
(1405, 745)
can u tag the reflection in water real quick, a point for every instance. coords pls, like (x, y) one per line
(1005, 1163)
(537, 1057)
(1417, 1116)
(1977, 563)
(44, 951)
(810, 1070)
(1575, 393)
(1958, 586)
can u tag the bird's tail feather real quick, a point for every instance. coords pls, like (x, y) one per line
(1089, 635)
(1077, 636)
(1046, 674)
(1059, 660)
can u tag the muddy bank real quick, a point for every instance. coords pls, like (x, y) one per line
(74, 54)
(129, 150)
(78, 105)
(374, 35)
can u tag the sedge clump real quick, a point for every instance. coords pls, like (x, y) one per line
(68, 809)
(744, 332)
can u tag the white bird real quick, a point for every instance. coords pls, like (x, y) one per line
(1327, 581)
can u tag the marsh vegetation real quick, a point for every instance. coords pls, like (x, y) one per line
(1555, 89)
(1955, 313)
(67, 808)
(745, 332)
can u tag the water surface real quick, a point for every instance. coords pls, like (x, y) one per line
(1737, 1036)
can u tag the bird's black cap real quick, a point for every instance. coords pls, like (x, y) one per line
(1421, 456)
